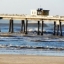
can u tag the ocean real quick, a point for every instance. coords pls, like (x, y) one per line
(31, 44)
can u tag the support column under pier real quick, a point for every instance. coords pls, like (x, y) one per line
(22, 26)
(26, 26)
(57, 29)
(38, 33)
(22, 23)
(42, 28)
(11, 26)
(54, 28)
(60, 28)
(12, 30)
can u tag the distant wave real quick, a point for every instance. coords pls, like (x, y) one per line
(47, 40)
(33, 38)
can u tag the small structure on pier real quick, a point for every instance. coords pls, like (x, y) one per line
(40, 11)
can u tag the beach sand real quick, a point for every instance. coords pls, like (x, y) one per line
(30, 59)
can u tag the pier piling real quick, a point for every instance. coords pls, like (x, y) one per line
(38, 28)
(22, 26)
(0, 29)
(26, 26)
(11, 26)
(22, 23)
(12, 30)
(57, 29)
(60, 28)
(42, 28)
(54, 28)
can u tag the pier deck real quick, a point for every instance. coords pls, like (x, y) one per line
(30, 17)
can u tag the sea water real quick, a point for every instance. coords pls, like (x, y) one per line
(31, 44)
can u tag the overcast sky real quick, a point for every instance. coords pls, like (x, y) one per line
(56, 7)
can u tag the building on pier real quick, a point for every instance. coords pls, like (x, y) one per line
(40, 11)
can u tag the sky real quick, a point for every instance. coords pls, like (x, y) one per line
(56, 7)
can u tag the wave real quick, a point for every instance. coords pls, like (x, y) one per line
(47, 40)
(31, 47)
(33, 38)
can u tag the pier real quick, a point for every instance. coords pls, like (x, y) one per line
(37, 18)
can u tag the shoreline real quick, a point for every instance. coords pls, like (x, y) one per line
(30, 59)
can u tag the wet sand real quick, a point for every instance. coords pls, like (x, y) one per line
(30, 59)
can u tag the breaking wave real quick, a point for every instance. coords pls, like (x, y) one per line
(30, 47)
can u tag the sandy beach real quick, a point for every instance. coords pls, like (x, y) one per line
(30, 59)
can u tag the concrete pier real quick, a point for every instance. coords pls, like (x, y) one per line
(37, 18)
